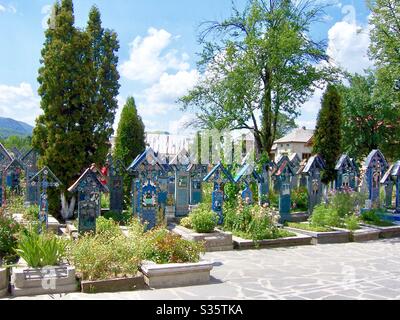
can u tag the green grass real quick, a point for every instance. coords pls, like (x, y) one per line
(381, 223)
(280, 233)
(309, 227)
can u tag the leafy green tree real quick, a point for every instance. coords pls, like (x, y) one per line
(328, 133)
(130, 139)
(78, 88)
(370, 119)
(22, 143)
(258, 66)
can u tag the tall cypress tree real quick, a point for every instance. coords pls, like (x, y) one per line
(328, 135)
(78, 68)
(130, 140)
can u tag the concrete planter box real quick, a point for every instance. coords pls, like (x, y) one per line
(114, 285)
(298, 240)
(362, 235)
(31, 282)
(215, 241)
(386, 232)
(176, 274)
(71, 230)
(3, 282)
(337, 236)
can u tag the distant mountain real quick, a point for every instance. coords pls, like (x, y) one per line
(11, 127)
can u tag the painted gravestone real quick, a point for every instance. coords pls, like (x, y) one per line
(246, 176)
(392, 179)
(182, 182)
(13, 173)
(263, 185)
(314, 185)
(146, 169)
(295, 161)
(89, 189)
(284, 174)
(376, 167)
(346, 173)
(301, 177)
(5, 160)
(220, 176)
(43, 180)
(116, 171)
(197, 172)
(30, 160)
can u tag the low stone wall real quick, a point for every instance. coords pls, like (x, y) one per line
(298, 240)
(3, 282)
(338, 236)
(386, 232)
(30, 282)
(158, 276)
(114, 285)
(362, 235)
(215, 241)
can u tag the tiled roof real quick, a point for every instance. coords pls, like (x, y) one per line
(299, 135)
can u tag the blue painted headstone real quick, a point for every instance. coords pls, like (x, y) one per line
(43, 180)
(197, 172)
(116, 184)
(376, 167)
(346, 173)
(182, 182)
(13, 172)
(246, 176)
(284, 174)
(219, 175)
(32, 192)
(147, 169)
(392, 178)
(89, 189)
(5, 160)
(314, 185)
(295, 161)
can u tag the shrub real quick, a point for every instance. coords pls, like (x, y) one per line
(351, 223)
(300, 199)
(102, 257)
(186, 223)
(31, 213)
(122, 218)
(325, 216)
(161, 246)
(105, 201)
(107, 227)
(273, 198)
(372, 217)
(203, 219)
(8, 238)
(40, 250)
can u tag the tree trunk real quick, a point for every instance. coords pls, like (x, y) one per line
(67, 210)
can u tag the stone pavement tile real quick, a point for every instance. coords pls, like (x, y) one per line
(385, 293)
(316, 295)
(389, 283)
(338, 297)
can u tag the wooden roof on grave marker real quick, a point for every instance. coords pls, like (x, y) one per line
(16, 152)
(5, 157)
(283, 163)
(182, 158)
(295, 159)
(219, 166)
(15, 163)
(392, 173)
(94, 172)
(372, 155)
(52, 178)
(345, 160)
(30, 156)
(314, 160)
(247, 170)
(149, 156)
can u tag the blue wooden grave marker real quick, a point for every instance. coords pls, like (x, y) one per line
(13, 173)
(197, 172)
(346, 173)
(116, 171)
(376, 167)
(182, 182)
(89, 189)
(314, 185)
(30, 160)
(247, 175)
(392, 178)
(284, 174)
(5, 160)
(295, 161)
(146, 169)
(43, 180)
(219, 176)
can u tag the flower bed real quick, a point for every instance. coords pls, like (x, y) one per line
(214, 241)
(387, 229)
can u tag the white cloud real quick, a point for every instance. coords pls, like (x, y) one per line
(19, 102)
(180, 126)
(46, 10)
(9, 8)
(147, 61)
(348, 46)
(2, 8)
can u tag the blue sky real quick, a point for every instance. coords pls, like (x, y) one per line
(158, 51)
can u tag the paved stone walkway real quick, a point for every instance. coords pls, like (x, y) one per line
(340, 271)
